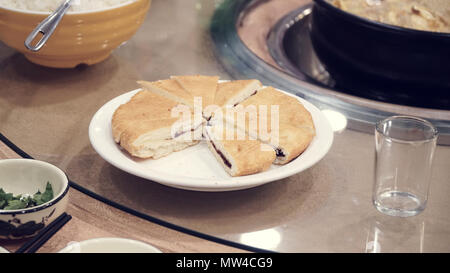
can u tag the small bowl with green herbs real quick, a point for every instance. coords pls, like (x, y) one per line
(32, 194)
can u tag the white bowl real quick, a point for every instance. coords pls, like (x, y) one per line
(109, 245)
(3, 250)
(27, 176)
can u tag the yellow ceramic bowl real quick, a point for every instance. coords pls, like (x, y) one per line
(80, 38)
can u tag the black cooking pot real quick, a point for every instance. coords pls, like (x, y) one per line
(353, 47)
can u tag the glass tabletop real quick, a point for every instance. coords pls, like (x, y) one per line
(326, 208)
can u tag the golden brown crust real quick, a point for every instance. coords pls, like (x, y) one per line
(249, 156)
(294, 141)
(200, 86)
(144, 105)
(169, 88)
(227, 90)
(291, 110)
(146, 121)
(137, 128)
(295, 127)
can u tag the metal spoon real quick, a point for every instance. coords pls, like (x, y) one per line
(47, 27)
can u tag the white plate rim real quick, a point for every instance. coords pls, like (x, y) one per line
(3, 250)
(101, 240)
(319, 146)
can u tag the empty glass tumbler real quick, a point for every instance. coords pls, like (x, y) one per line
(404, 149)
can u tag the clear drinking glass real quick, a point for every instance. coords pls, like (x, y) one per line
(404, 149)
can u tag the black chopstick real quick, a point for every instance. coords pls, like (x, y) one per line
(44, 235)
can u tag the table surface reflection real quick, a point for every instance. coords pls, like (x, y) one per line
(327, 208)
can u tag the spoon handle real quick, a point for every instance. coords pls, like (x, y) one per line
(47, 27)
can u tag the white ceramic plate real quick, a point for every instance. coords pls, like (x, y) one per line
(2, 250)
(196, 168)
(109, 245)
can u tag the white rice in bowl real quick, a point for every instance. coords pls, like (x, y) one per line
(51, 5)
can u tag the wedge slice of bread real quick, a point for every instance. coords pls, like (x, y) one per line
(199, 86)
(238, 156)
(170, 89)
(278, 120)
(290, 109)
(233, 92)
(143, 105)
(158, 138)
